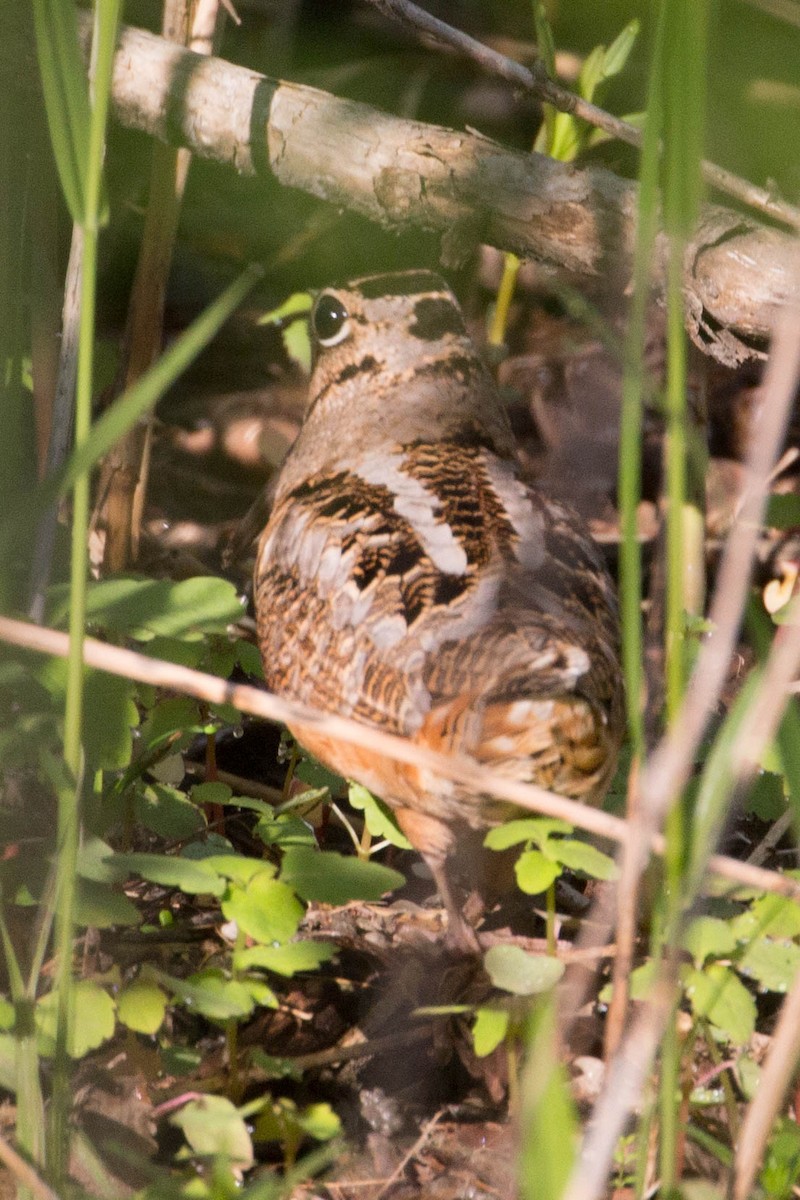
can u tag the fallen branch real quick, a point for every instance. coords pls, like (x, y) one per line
(538, 82)
(402, 173)
(210, 688)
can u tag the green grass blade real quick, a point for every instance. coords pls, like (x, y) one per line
(107, 18)
(631, 418)
(66, 96)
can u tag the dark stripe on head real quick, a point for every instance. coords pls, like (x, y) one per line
(434, 317)
(402, 283)
(367, 364)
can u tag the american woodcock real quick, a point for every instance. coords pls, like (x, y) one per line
(409, 579)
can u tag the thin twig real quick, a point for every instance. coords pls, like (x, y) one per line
(213, 690)
(366, 1049)
(670, 765)
(772, 837)
(776, 1076)
(427, 1129)
(622, 1090)
(540, 84)
(24, 1172)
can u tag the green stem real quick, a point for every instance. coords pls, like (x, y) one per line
(550, 899)
(505, 294)
(69, 804)
(631, 419)
(69, 808)
(676, 451)
(669, 1103)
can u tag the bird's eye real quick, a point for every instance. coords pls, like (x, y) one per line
(331, 320)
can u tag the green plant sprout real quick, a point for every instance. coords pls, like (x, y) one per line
(563, 136)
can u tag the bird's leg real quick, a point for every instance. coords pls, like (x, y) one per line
(433, 841)
(460, 934)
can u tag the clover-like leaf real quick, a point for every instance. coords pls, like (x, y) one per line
(93, 1019)
(774, 965)
(141, 1006)
(213, 1125)
(184, 873)
(100, 906)
(514, 970)
(717, 994)
(580, 856)
(380, 820)
(264, 908)
(333, 878)
(709, 937)
(535, 872)
(489, 1030)
(285, 960)
(212, 994)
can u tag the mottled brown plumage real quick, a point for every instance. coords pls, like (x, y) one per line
(408, 578)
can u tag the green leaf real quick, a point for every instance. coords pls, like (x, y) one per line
(580, 856)
(286, 830)
(66, 97)
(248, 657)
(525, 829)
(319, 1121)
(327, 876)
(767, 799)
(141, 608)
(212, 845)
(285, 960)
(142, 1006)
(640, 981)
(317, 776)
(618, 53)
(239, 868)
(265, 909)
(99, 906)
(709, 937)
(591, 72)
(213, 1125)
(212, 994)
(380, 820)
(514, 970)
(544, 38)
(535, 872)
(261, 993)
(191, 877)
(93, 1020)
(781, 1169)
(773, 916)
(110, 717)
(166, 811)
(96, 861)
(110, 713)
(783, 511)
(175, 715)
(773, 965)
(718, 995)
(489, 1030)
(211, 793)
(176, 650)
